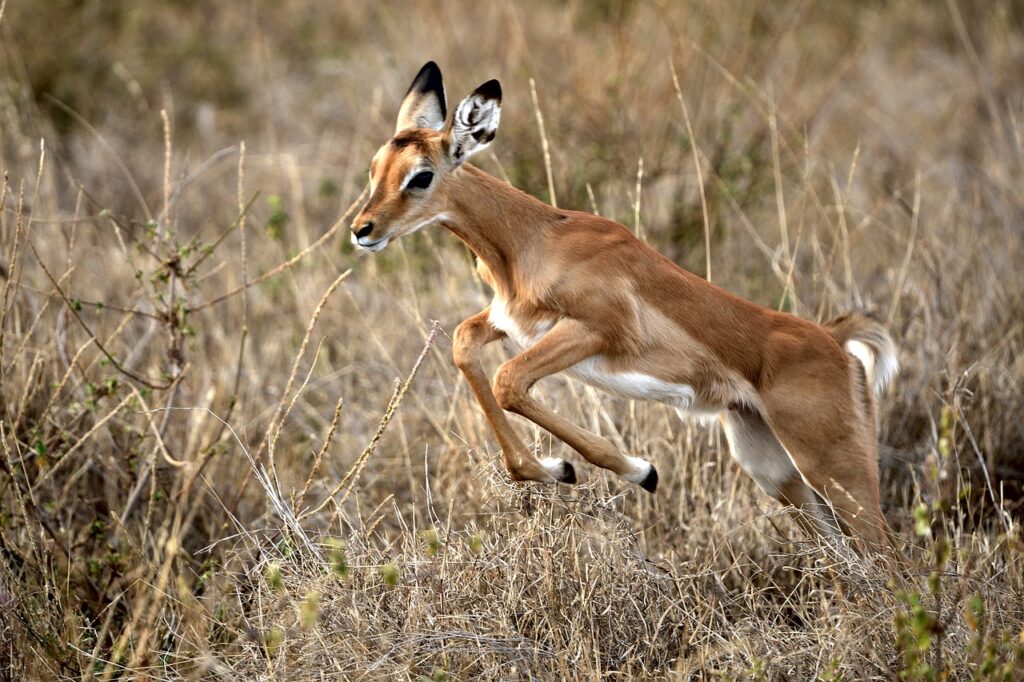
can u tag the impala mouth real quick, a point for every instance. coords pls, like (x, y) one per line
(372, 246)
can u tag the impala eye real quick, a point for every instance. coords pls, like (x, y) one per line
(421, 180)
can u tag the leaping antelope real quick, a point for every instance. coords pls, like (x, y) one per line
(580, 294)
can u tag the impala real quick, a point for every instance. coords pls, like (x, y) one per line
(580, 294)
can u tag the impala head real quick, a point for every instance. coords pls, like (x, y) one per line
(408, 175)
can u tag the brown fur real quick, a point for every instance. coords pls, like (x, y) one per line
(786, 383)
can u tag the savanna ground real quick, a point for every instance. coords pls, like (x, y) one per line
(290, 480)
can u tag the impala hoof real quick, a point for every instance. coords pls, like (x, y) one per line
(568, 474)
(559, 469)
(650, 482)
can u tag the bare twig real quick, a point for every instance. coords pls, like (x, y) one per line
(544, 144)
(396, 400)
(288, 263)
(700, 172)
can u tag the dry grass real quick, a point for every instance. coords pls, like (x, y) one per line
(288, 480)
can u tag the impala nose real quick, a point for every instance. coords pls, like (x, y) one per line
(364, 230)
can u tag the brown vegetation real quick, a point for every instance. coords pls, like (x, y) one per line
(200, 479)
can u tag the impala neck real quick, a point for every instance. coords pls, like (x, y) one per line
(502, 225)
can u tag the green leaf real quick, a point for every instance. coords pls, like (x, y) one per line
(922, 521)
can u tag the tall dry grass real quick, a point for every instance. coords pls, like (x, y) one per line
(232, 449)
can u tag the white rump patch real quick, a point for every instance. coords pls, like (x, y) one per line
(879, 369)
(863, 353)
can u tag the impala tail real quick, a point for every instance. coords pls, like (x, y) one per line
(867, 340)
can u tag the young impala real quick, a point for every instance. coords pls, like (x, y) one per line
(580, 294)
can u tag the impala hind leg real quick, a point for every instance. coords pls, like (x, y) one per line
(470, 336)
(566, 344)
(831, 442)
(760, 454)
(851, 490)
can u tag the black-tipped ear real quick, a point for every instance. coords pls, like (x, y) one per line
(424, 105)
(475, 122)
(490, 90)
(429, 81)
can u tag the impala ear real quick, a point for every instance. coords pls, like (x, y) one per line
(475, 122)
(424, 105)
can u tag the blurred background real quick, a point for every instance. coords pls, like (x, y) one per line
(182, 451)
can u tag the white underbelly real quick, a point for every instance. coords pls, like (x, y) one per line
(593, 370)
(633, 385)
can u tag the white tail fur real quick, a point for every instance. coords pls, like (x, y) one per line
(869, 342)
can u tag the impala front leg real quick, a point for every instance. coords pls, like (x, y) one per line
(568, 343)
(470, 337)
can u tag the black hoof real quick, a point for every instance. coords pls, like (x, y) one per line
(650, 482)
(568, 473)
